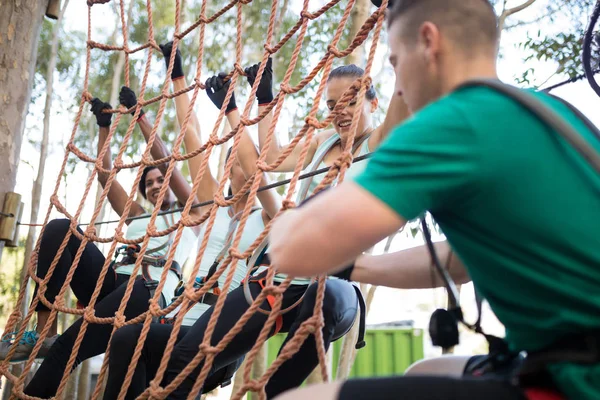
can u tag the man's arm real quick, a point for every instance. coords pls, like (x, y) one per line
(408, 269)
(330, 231)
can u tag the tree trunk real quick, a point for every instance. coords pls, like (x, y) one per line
(20, 24)
(315, 376)
(259, 367)
(36, 192)
(72, 383)
(359, 15)
(83, 387)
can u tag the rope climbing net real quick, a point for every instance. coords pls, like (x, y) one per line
(206, 352)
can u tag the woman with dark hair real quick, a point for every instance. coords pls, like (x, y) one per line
(57, 349)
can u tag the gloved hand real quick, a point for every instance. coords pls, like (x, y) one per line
(216, 89)
(377, 3)
(177, 63)
(264, 92)
(128, 98)
(102, 119)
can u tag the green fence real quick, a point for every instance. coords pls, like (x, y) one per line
(389, 351)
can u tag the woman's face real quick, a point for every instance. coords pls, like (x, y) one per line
(154, 181)
(342, 122)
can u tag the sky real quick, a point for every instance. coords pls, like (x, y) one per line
(413, 305)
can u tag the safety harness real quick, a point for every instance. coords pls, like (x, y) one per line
(130, 253)
(210, 297)
(261, 259)
(527, 371)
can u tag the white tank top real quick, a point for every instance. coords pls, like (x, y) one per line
(217, 239)
(137, 228)
(354, 169)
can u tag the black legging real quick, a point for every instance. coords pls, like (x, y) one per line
(340, 307)
(47, 378)
(87, 272)
(122, 347)
(429, 388)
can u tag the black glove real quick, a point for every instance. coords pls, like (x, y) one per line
(377, 3)
(344, 274)
(102, 119)
(128, 98)
(177, 63)
(216, 89)
(264, 92)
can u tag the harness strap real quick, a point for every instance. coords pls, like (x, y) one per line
(360, 341)
(271, 301)
(316, 162)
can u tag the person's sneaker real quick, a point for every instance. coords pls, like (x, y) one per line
(25, 346)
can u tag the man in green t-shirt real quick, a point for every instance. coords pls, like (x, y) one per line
(519, 206)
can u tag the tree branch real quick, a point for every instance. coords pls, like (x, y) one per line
(510, 11)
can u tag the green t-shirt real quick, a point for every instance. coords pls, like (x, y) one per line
(517, 203)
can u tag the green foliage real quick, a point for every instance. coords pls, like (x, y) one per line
(562, 48)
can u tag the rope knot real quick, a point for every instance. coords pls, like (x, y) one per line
(345, 159)
(272, 290)
(155, 390)
(87, 96)
(367, 82)
(190, 293)
(239, 68)
(119, 319)
(154, 308)
(287, 204)
(262, 166)
(236, 254)
(333, 50)
(220, 200)
(208, 349)
(269, 49)
(245, 121)
(187, 221)
(151, 230)
(91, 231)
(306, 15)
(312, 121)
(214, 140)
(89, 314)
(59, 302)
(285, 88)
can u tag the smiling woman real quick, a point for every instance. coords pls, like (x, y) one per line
(55, 349)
